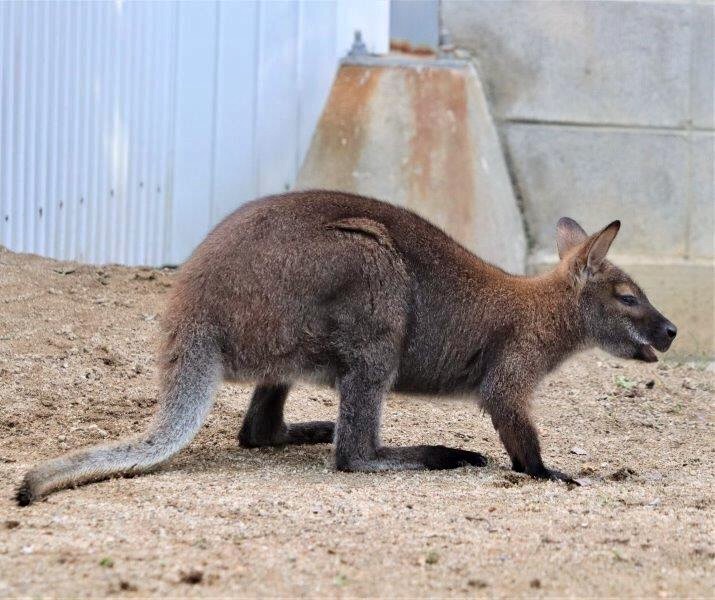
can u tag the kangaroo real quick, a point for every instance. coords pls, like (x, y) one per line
(366, 297)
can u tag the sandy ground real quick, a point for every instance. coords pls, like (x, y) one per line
(76, 367)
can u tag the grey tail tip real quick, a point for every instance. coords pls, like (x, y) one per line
(24, 496)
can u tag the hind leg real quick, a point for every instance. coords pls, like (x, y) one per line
(357, 441)
(263, 424)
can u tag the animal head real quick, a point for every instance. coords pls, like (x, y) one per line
(616, 314)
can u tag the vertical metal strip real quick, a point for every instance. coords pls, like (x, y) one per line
(41, 137)
(29, 172)
(5, 121)
(18, 146)
(53, 144)
(63, 147)
(257, 94)
(86, 110)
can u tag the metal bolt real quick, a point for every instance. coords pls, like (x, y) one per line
(358, 48)
(446, 45)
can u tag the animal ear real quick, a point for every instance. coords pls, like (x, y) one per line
(598, 246)
(569, 234)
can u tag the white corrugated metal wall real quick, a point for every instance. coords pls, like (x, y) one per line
(127, 129)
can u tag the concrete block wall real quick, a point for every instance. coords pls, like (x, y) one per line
(606, 110)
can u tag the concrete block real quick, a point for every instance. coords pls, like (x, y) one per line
(418, 133)
(702, 224)
(585, 62)
(598, 175)
(703, 58)
(683, 291)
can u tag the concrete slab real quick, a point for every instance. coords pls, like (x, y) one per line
(702, 223)
(598, 175)
(703, 59)
(418, 133)
(584, 62)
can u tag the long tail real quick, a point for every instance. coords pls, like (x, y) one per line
(188, 383)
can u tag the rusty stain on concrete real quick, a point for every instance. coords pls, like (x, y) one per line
(405, 47)
(340, 134)
(440, 166)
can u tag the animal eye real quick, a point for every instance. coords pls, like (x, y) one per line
(628, 300)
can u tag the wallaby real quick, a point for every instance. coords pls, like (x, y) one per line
(366, 297)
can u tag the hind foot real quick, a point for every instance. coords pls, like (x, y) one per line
(309, 432)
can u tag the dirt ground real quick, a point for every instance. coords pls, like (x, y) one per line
(76, 367)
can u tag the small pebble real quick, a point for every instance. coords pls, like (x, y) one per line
(583, 481)
(126, 586)
(192, 577)
(587, 469)
(622, 474)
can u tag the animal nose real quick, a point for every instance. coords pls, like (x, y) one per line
(671, 330)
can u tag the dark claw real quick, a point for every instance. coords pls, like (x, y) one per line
(559, 476)
(554, 475)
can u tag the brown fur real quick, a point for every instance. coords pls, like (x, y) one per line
(367, 297)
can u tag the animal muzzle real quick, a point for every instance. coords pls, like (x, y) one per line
(660, 337)
(663, 335)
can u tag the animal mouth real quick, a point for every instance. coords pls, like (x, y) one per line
(646, 353)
